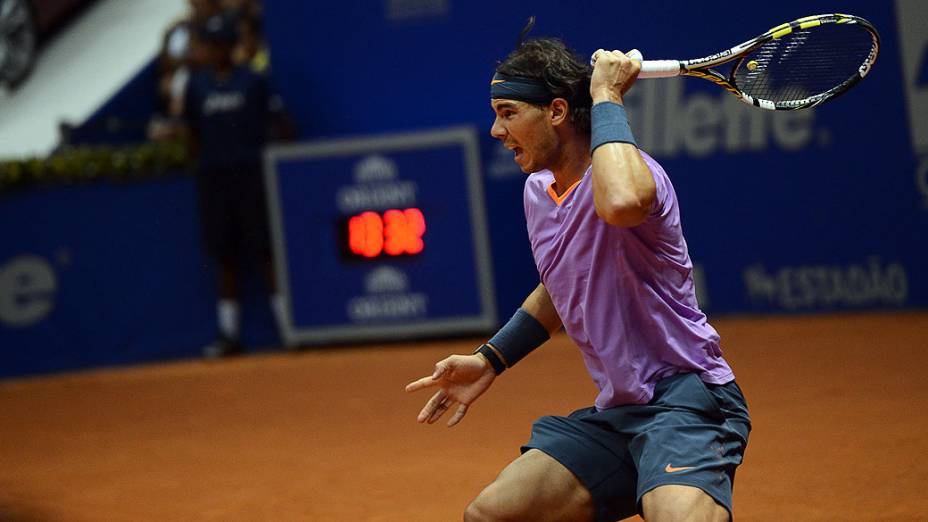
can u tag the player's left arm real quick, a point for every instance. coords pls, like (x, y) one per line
(623, 187)
(462, 379)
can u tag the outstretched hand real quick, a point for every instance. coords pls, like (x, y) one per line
(460, 380)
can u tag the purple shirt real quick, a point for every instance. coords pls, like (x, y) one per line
(625, 295)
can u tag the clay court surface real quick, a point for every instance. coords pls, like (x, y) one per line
(839, 403)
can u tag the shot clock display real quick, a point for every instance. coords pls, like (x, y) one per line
(379, 238)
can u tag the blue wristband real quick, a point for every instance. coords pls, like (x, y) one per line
(609, 125)
(493, 357)
(517, 338)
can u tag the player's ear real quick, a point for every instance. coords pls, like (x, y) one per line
(559, 111)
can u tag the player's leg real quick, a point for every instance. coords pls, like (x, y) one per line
(227, 278)
(534, 487)
(256, 236)
(573, 468)
(228, 307)
(690, 440)
(228, 312)
(218, 234)
(678, 503)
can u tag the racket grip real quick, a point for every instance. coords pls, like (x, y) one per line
(660, 69)
(652, 68)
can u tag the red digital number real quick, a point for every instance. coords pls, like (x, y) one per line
(365, 234)
(415, 228)
(395, 233)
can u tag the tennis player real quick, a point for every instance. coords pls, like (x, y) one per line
(669, 425)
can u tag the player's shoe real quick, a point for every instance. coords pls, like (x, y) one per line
(223, 347)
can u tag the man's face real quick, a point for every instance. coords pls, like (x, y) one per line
(526, 130)
(203, 9)
(210, 53)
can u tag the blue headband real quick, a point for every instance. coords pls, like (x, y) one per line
(520, 88)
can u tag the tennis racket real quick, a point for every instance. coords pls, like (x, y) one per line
(795, 65)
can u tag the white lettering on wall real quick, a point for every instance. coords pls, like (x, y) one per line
(386, 306)
(27, 291)
(802, 287)
(668, 123)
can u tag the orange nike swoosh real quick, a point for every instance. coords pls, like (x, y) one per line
(671, 469)
(494, 82)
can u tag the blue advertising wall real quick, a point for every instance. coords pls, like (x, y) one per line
(107, 274)
(813, 211)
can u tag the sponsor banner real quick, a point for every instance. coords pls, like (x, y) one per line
(761, 193)
(105, 274)
(870, 284)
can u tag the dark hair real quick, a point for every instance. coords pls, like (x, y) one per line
(218, 29)
(565, 74)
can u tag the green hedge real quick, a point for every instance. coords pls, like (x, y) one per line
(88, 164)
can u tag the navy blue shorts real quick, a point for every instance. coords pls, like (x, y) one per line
(233, 214)
(691, 433)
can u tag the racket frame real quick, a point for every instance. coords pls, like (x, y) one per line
(701, 67)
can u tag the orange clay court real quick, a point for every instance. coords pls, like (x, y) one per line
(838, 402)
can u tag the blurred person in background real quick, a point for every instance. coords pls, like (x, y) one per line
(240, 8)
(175, 61)
(251, 49)
(229, 114)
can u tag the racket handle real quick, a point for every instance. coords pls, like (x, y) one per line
(659, 69)
(652, 68)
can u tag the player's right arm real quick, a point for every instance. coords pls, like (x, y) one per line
(462, 379)
(623, 187)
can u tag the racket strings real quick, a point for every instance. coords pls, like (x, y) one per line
(805, 63)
